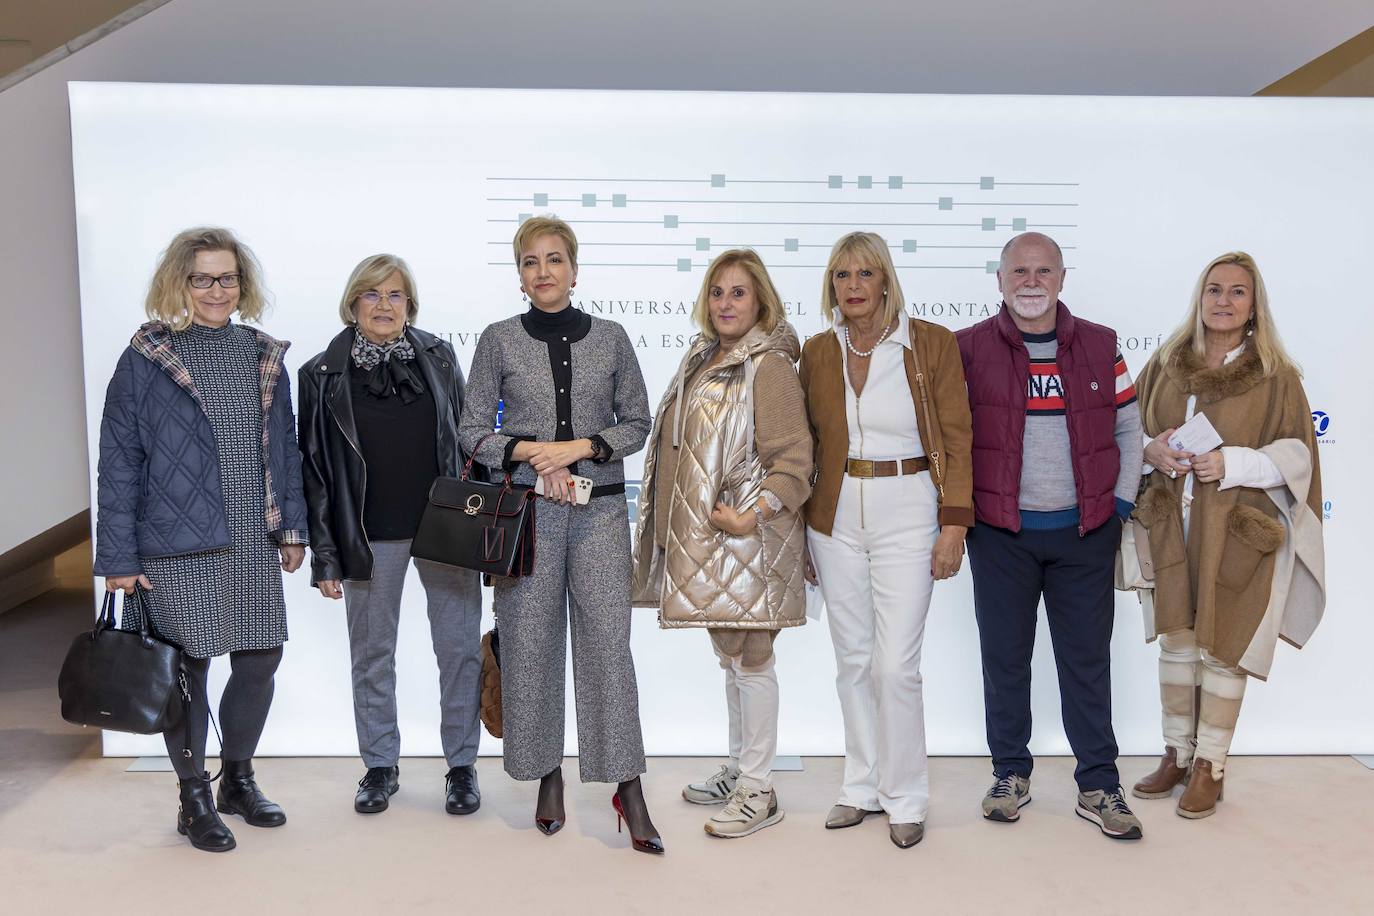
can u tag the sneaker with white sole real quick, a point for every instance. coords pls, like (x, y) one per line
(1109, 811)
(748, 811)
(1004, 801)
(716, 789)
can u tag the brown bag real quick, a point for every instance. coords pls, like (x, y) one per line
(490, 700)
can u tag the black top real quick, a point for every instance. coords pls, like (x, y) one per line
(399, 450)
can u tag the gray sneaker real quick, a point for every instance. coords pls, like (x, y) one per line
(716, 789)
(1004, 801)
(1109, 811)
(748, 811)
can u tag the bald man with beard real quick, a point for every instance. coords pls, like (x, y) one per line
(1056, 465)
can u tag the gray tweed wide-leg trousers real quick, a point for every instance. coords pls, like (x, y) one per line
(582, 574)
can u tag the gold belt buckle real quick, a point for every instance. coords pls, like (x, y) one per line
(861, 467)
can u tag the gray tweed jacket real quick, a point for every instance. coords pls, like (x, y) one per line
(607, 397)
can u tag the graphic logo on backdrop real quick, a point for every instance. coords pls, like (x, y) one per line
(1321, 425)
(669, 226)
(1326, 510)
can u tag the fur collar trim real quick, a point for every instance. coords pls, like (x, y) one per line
(1191, 374)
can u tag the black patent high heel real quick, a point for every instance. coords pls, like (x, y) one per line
(652, 845)
(550, 799)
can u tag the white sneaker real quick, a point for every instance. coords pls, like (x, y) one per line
(714, 790)
(748, 811)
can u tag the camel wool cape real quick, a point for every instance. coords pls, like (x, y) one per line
(1251, 569)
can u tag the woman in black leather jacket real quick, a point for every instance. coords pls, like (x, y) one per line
(378, 422)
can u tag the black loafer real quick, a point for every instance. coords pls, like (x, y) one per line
(376, 788)
(463, 796)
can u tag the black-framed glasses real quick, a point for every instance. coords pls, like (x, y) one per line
(205, 281)
(396, 299)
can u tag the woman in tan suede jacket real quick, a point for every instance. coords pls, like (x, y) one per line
(719, 537)
(1235, 533)
(892, 502)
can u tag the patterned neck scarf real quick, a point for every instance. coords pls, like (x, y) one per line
(388, 367)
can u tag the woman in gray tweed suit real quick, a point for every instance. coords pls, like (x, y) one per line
(574, 404)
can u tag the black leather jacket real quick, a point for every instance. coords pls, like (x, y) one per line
(331, 458)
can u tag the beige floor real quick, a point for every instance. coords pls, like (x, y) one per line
(78, 833)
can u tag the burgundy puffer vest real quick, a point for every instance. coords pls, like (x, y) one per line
(997, 366)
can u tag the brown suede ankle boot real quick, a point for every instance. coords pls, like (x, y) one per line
(1160, 783)
(1203, 792)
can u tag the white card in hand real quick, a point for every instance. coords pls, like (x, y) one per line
(1197, 436)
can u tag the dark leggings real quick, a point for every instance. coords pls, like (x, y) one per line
(242, 710)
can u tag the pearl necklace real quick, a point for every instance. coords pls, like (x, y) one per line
(856, 351)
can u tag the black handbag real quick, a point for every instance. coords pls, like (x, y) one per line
(487, 527)
(123, 680)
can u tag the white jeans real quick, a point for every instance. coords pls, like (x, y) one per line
(751, 695)
(874, 570)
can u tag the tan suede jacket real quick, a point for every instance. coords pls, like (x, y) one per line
(948, 444)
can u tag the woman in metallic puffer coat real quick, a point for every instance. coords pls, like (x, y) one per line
(719, 537)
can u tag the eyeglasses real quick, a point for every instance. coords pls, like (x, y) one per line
(372, 297)
(205, 281)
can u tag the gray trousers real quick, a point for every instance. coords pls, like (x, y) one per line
(454, 597)
(582, 574)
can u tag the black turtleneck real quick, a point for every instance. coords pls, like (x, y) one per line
(563, 326)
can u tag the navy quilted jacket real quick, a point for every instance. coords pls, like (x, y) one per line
(159, 490)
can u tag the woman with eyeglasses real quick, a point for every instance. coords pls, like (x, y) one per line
(379, 422)
(200, 509)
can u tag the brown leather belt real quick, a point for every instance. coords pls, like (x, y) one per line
(862, 467)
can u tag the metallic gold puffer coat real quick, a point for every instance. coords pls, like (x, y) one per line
(704, 577)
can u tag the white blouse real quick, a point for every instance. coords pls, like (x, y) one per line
(882, 420)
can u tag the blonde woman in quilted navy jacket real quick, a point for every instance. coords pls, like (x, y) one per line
(200, 508)
(719, 536)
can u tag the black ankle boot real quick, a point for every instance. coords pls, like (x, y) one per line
(548, 810)
(239, 794)
(197, 819)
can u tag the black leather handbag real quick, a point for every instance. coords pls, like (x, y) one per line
(488, 527)
(123, 680)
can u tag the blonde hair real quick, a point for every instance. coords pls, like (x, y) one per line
(548, 224)
(370, 272)
(1190, 335)
(870, 249)
(169, 292)
(765, 293)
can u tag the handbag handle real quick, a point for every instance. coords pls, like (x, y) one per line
(106, 620)
(467, 465)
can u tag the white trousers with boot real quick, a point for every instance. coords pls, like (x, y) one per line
(751, 695)
(874, 570)
(1191, 730)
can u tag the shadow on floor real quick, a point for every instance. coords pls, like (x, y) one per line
(35, 743)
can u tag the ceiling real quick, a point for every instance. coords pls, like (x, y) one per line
(1161, 47)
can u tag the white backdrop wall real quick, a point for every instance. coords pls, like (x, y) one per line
(1165, 48)
(1141, 192)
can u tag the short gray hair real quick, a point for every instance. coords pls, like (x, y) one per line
(1002, 261)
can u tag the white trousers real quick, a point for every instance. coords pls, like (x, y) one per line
(874, 571)
(751, 695)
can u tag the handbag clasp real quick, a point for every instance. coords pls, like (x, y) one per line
(474, 503)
